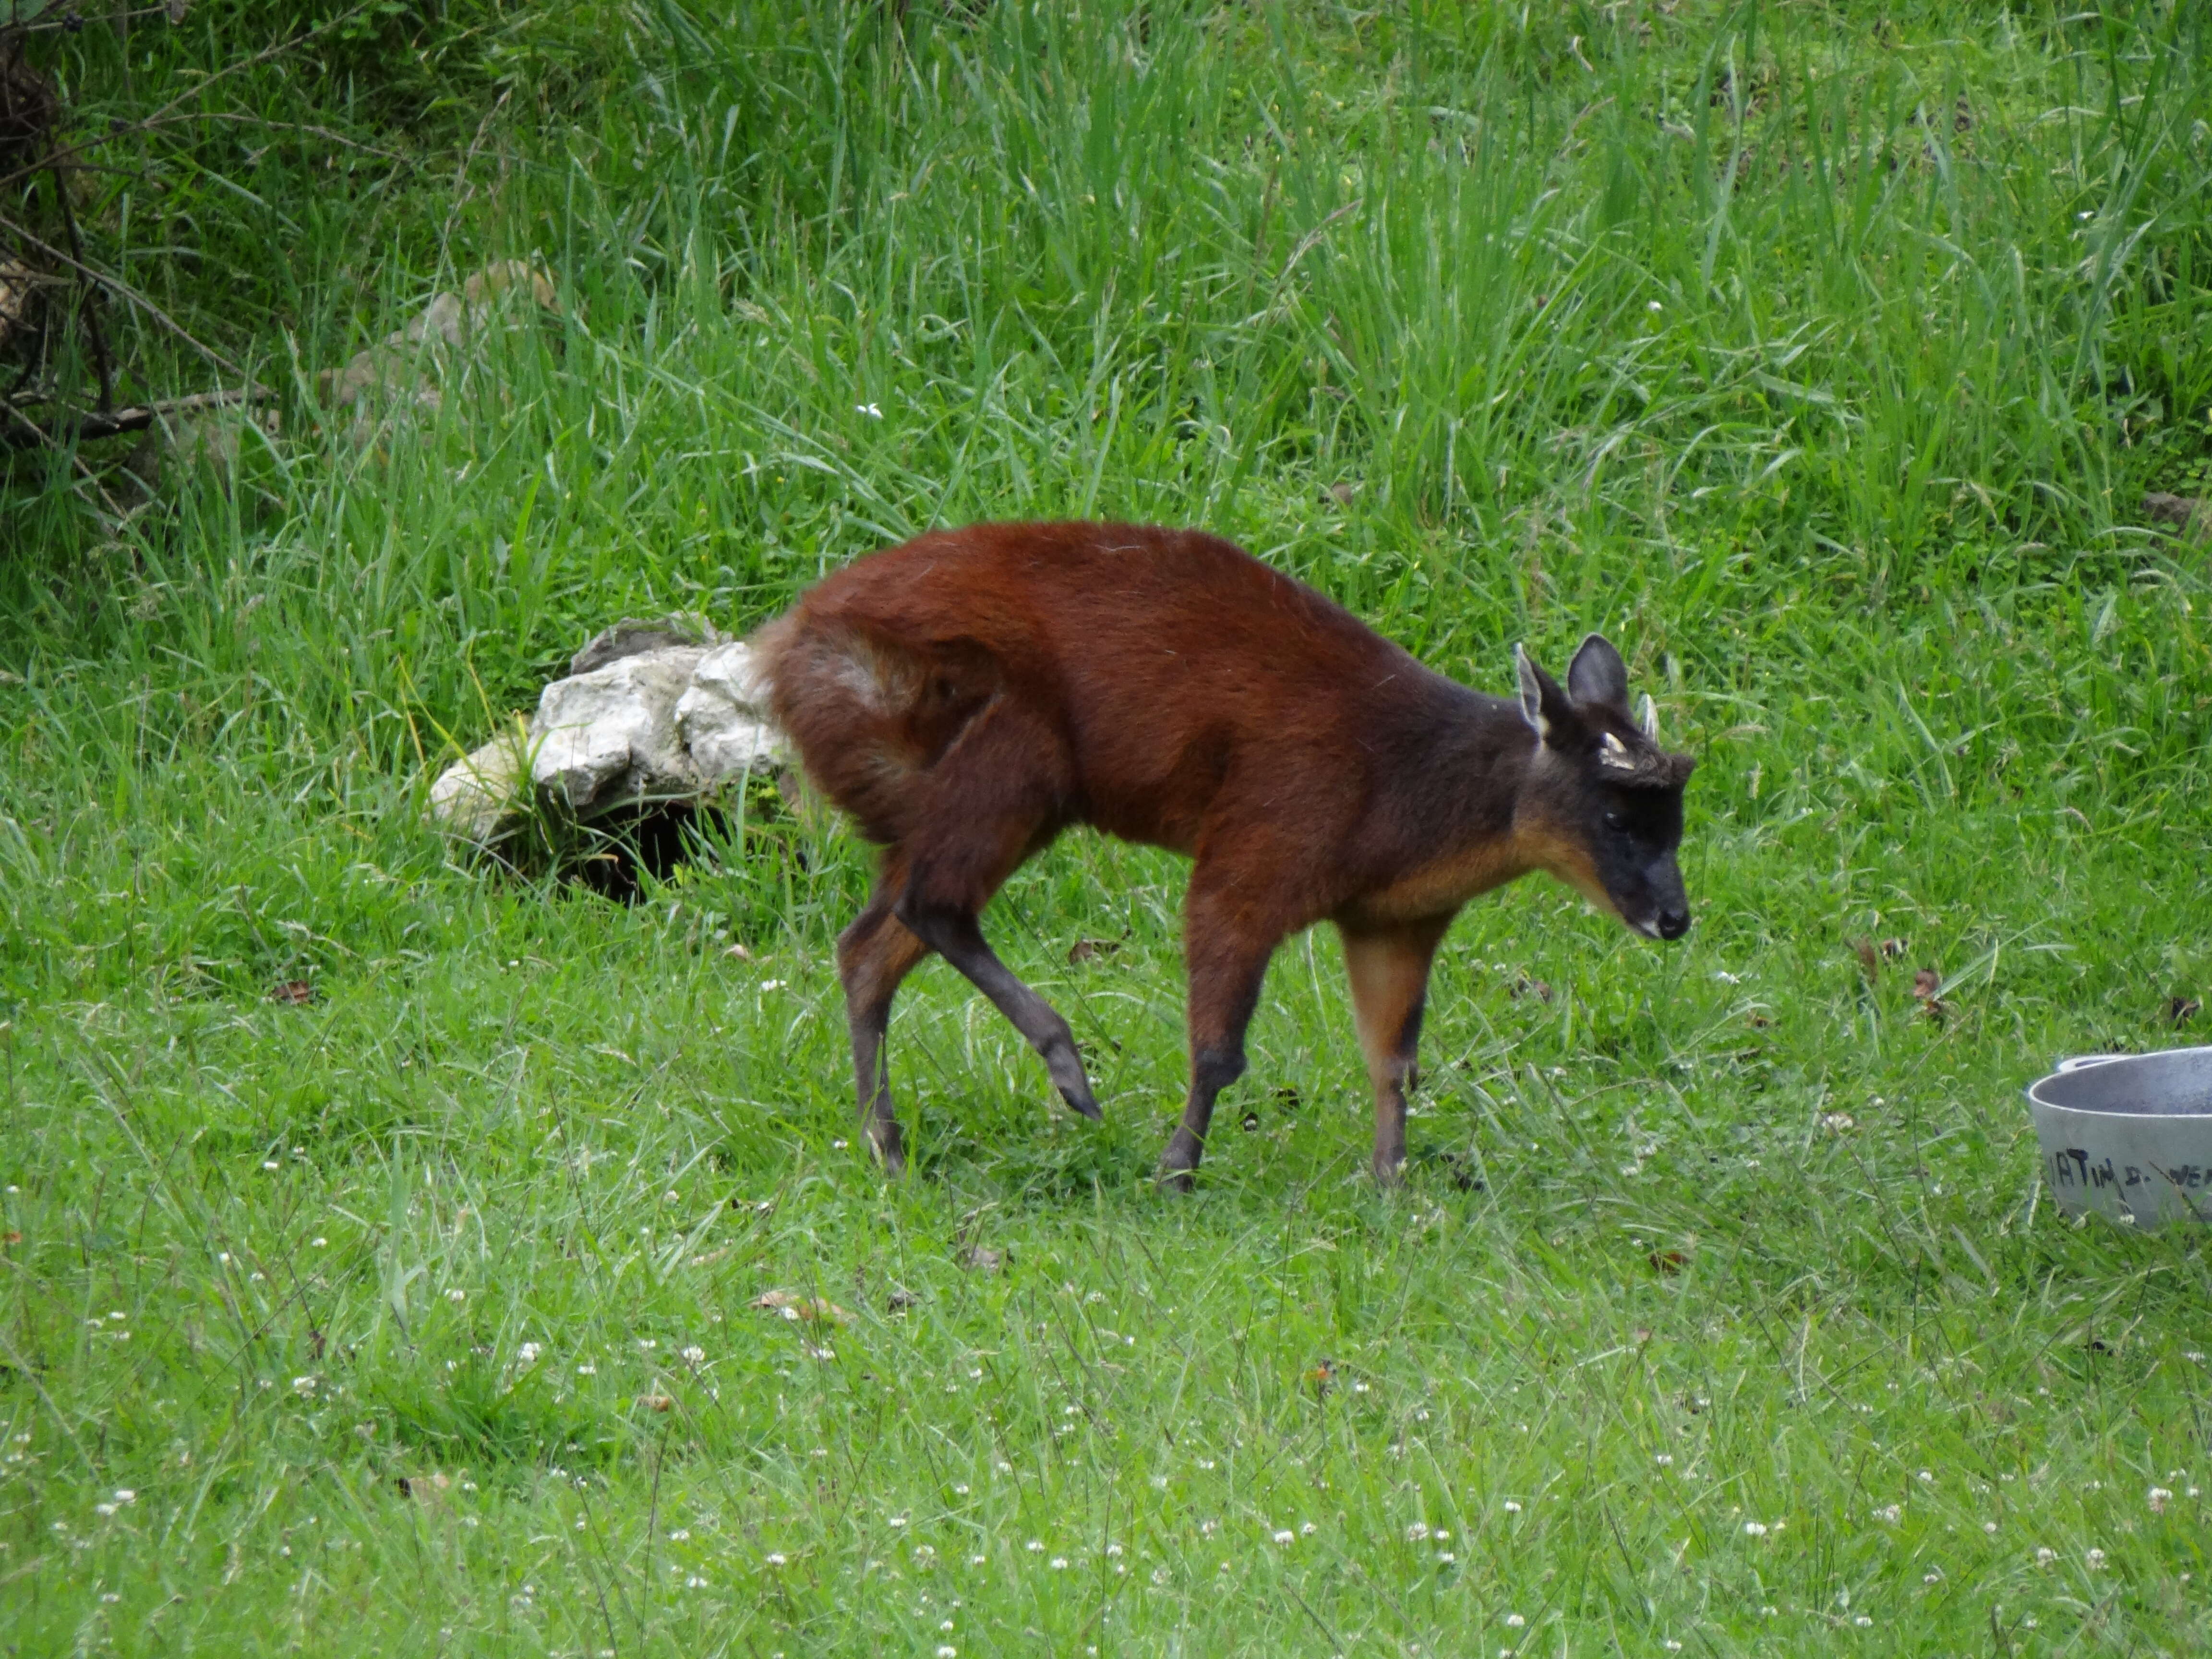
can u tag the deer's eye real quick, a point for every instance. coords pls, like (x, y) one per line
(1615, 820)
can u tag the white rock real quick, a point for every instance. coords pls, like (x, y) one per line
(483, 788)
(661, 721)
(722, 716)
(610, 735)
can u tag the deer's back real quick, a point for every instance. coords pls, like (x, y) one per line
(1170, 661)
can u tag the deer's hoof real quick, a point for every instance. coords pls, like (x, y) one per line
(890, 1148)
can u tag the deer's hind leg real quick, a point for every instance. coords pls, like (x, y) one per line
(874, 954)
(996, 795)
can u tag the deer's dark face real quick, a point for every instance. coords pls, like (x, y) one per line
(1603, 806)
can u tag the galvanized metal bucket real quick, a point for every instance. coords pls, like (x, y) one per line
(2129, 1136)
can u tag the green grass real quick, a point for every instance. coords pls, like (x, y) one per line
(1819, 353)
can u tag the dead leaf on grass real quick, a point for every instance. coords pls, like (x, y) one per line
(982, 1259)
(792, 1305)
(1926, 986)
(1091, 950)
(298, 993)
(2179, 1011)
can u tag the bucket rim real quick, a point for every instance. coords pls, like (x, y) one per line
(2068, 1066)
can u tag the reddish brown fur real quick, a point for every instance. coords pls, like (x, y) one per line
(969, 695)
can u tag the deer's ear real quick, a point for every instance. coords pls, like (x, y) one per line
(1597, 675)
(1543, 705)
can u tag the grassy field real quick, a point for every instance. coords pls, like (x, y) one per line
(1819, 353)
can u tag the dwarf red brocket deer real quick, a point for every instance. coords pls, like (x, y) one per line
(969, 695)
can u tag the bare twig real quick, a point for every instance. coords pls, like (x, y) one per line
(123, 289)
(24, 432)
(88, 305)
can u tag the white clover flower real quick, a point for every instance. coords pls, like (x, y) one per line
(946, 1651)
(1308, 1529)
(1417, 1532)
(1113, 1549)
(1513, 1621)
(1285, 1536)
(1510, 1507)
(1891, 1513)
(303, 1385)
(457, 1294)
(1988, 1526)
(1035, 1547)
(527, 1353)
(2045, 1557)
(2160, 1497)
(777, 1558)
(1058, 1564)
(587, 1371)
(2095, 1558)
(1863, 1622)
(1754, 1530)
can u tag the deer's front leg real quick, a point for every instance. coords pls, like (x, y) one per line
(1388, 966)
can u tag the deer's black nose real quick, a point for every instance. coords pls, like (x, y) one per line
(1672, 924)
